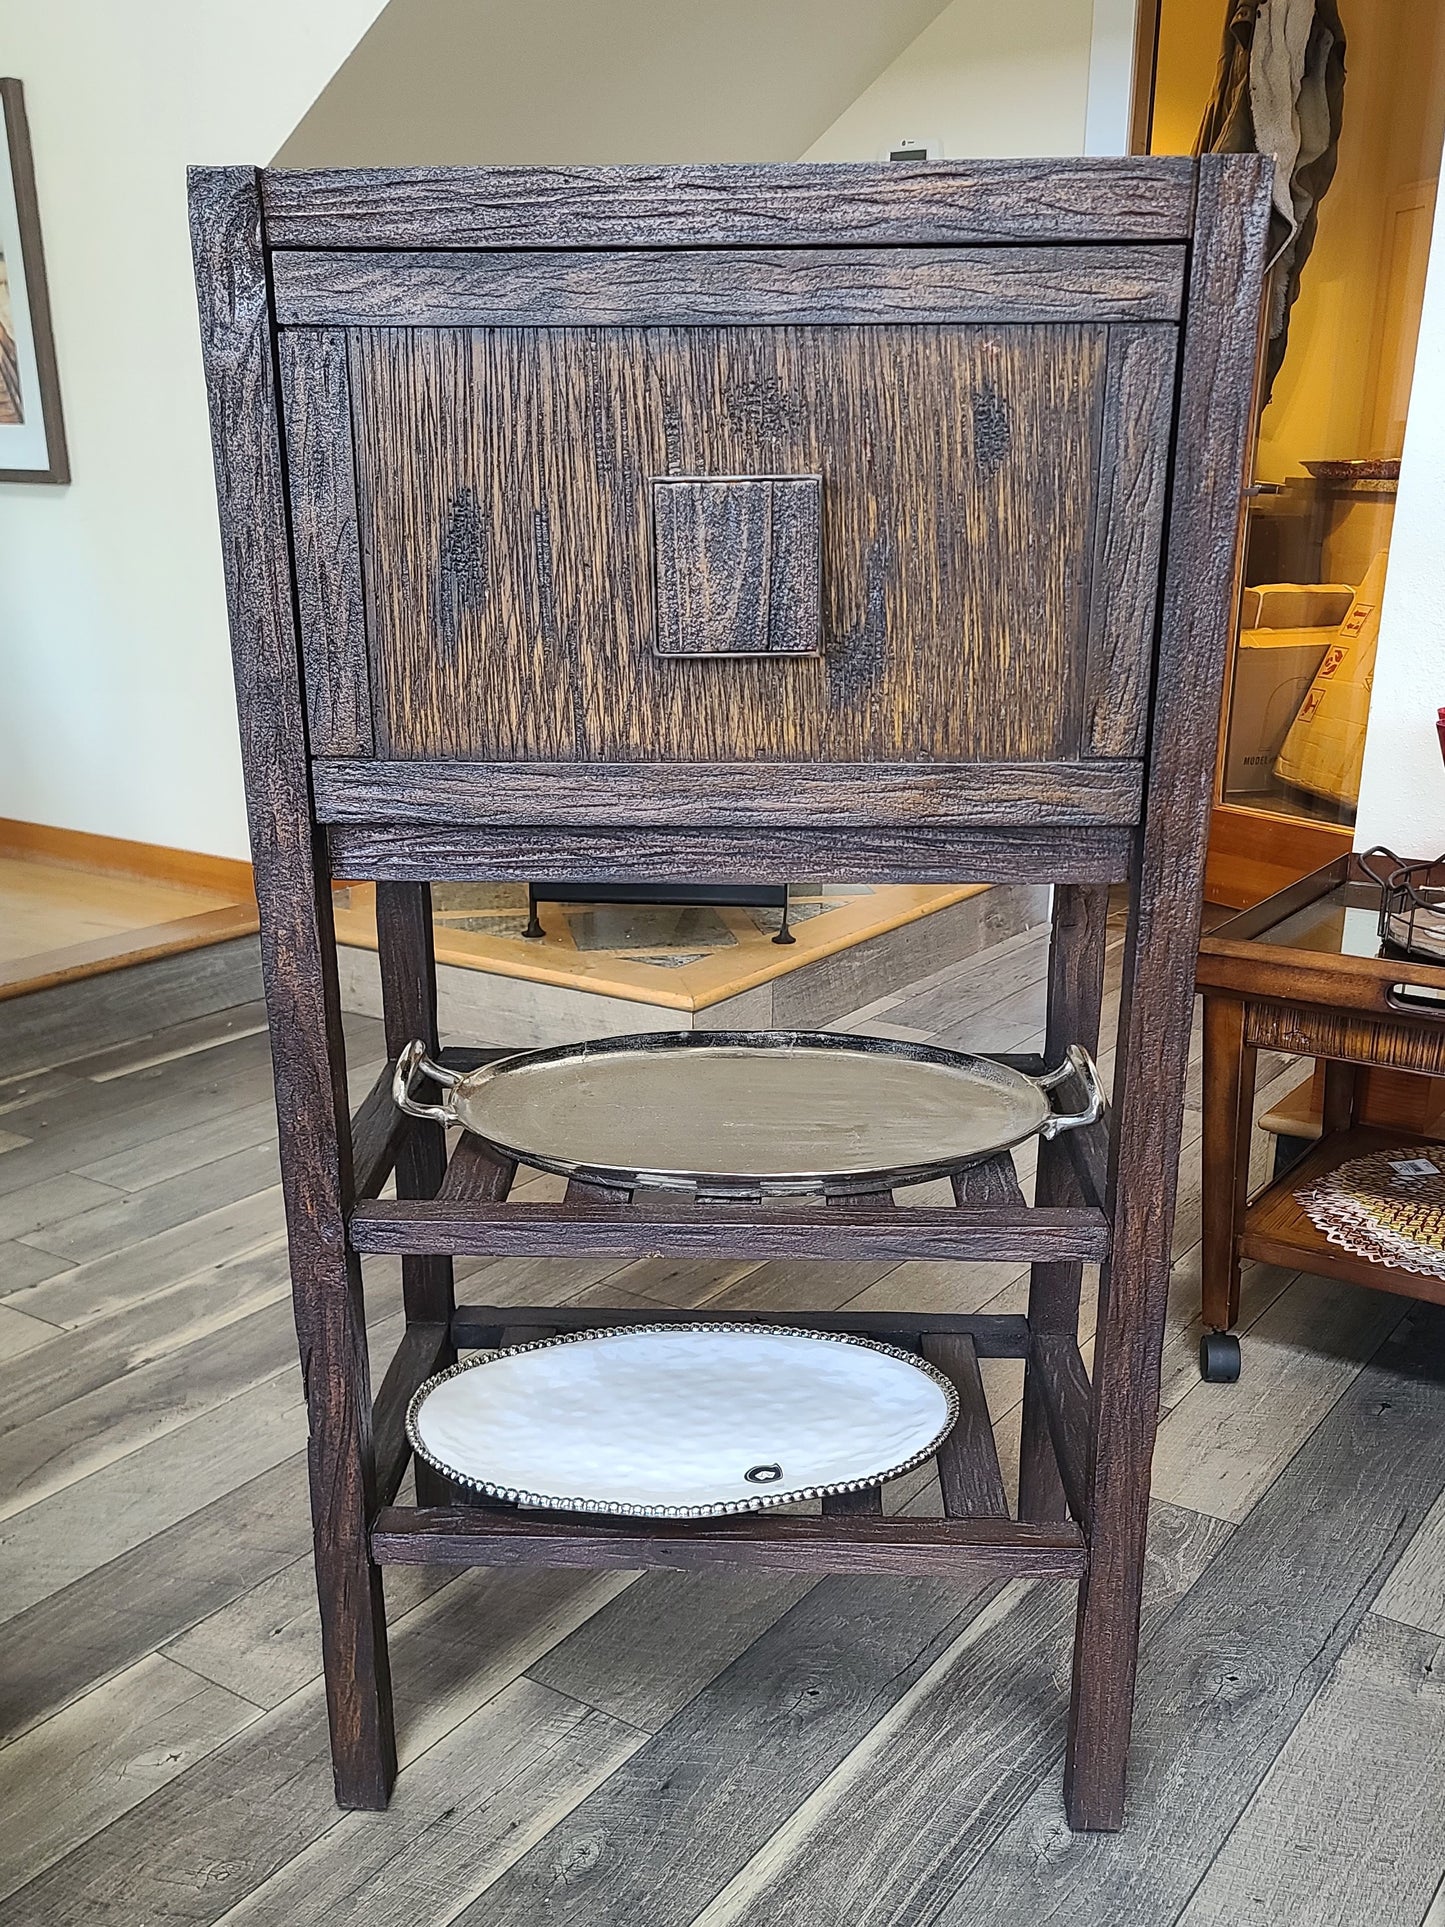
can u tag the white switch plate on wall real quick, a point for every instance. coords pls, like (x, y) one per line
(913, 150)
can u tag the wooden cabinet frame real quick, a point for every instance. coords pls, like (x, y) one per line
(1138, 818)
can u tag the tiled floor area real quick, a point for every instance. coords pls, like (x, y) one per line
(675, 1750)
(688, 956)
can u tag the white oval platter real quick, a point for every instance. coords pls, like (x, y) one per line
(681, 1421)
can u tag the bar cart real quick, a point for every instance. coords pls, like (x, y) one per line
(740, 523)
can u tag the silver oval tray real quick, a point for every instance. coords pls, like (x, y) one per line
(681, 1421)
(768, 1112)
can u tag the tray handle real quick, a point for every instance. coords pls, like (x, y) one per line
(1081, 1065)
(412, 1065)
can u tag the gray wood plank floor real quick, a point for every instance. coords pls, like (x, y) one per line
(700, 1749)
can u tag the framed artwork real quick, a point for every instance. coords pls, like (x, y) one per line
(32, 435)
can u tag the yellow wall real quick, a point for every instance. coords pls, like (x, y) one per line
(1345, 380)
(1191, 33)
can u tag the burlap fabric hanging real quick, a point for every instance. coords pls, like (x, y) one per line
(1280, 90)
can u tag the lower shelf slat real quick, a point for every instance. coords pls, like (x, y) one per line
(994, 1334)
(476, 1174)
(377, 1130)
(963, 1233)
(968, 1467)
(420, 1353)
(866, 1503)
(1064, 1381)
(467, 1536)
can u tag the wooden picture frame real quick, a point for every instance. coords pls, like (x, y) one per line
(32, 431)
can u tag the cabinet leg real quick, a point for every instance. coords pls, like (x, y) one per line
(1229, 1066)
(1106, 1640)
(348, 1582)
(409, 1003)
(1076, 988)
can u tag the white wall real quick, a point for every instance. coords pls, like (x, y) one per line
(1111, 77)
(116, 709)
(982, 79)
(466, 82)
(1402, 790)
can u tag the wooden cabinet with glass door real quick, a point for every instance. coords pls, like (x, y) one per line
(1332, 426)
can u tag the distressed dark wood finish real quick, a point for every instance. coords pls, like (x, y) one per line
(993, 1334)
(968, 1467)
(579, 1193)
(1201, 577)
(424, 1349)
(911, 854)
(1087, 1151)
(298, 956)
(406, 954)
(509, 592)
(465, 1536)
(1077, 941)
(526, 1334)
(717, 1230)
(771, 287)
(316, 399)
(864, 1504)
(847, 795)
(995, 1181)
(1063, 1383)
(476, 1174)
(408, 994)
(933, 204)
(736, 565)
(991, 527)
(377, 1129)
(1133, 472)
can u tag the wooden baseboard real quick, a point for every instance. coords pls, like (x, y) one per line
(222, 905)
(46, 969)
(116, 856)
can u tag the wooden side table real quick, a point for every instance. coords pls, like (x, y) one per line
(1302, 972)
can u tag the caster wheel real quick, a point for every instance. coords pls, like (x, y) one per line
(1219, 1358)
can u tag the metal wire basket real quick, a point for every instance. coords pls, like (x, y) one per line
(1412, 903)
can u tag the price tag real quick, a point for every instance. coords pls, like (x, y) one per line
(1414, 1168)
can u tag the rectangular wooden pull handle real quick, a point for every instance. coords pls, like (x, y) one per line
(737, 565)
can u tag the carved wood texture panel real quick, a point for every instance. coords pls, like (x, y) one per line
(504, 518)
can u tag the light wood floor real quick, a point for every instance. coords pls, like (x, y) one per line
(45, 906)
(671, 1749)
(59, 922)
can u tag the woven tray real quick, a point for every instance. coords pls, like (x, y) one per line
(1388, 1207)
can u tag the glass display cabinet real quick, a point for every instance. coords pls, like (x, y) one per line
(1330, 437)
